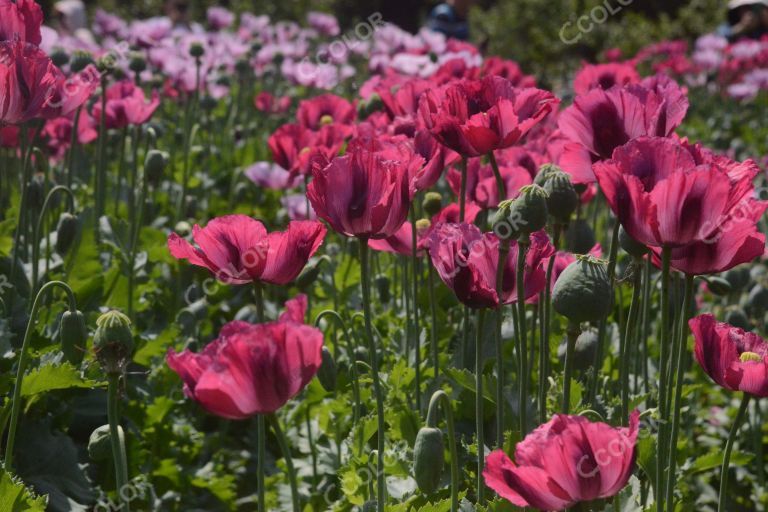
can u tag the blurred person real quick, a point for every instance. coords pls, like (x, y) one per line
(450, 18)
(73, 20)
(746, 18)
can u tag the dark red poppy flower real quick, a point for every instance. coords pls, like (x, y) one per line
(269, 104)
(20, 20)
(566, 461)
(362, 194)
(252, 368)
(734, 359)
(481, 182)
(297, 149)
(403, 100)
(58, 132)
(126, 105)
(604, 76)
(508, 69)
(475, 117)
(238, 249)
(325, 109)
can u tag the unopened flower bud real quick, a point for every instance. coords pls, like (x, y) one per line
(326, 374)
(583, 292)
(59, 57)
(311, 272)
(630, 245)
(428, 459)
(196, 50)
(432, 204)
(100, 443)
(73, 334)
(562, 198)
(113, 341)
(718, 285)
(154, 165)
(66, 232)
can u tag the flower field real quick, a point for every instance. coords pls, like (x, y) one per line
(263, 265)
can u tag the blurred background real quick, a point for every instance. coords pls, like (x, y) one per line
(525, 30)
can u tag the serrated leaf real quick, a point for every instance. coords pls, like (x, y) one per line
(15, 497)
(52, 377)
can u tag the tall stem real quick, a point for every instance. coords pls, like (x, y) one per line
(601, 331)
(522, 245)
(283, 444)
(479, 404)
(572, 334)
(437, 398)
(728, 449)
(503, 255)
(365, 277)
(24, 360)
(679, 351)
(629, 330)
(546, 322)
(118, 448)
(38, 228)
(463, 189)
(416, 325)
(261, 453)
(433, 327)
(663, 346)
(100, 175)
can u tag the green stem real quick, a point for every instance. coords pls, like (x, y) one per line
(437, 398)
(312, 447)
(547, 328)
(366, 285)
(118, 448)
(73, 141)
(258, 290)
(522, 245)
(680, 351)
(572, 334)
(261, 453)
(23, 361)
(101, 169)
(503, 255)
(728, 449)
(479, 415)
(433, 327)
(663, 346)
(416, 324)
(38, 228)
(601, 332)
(283, 444)
(463, 189)
(500, 187)
(629, 330)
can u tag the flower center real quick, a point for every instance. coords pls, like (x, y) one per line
(326, 119)
(749, 356)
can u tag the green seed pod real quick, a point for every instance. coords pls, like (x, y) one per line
(501, 224)
(196, 50)
(137, 63)
(80, 60)
(100, 443)
(106, 63)
(737, 317)
(584, 350)
(583, 291)
(66, 232)
(757, 300)
(432, 204)
(367, 107)
(718, 286)
(757, 272)
(327, 372)
(154, 165)
(422, 225)
(311, 272)
(113, 341)
(73, 335)
(528, 211)
(383, 287)
(428, 459)
(242, 67)
(738, 277)
(579, 237)
(545, 171)
(630, 245)
(59, 57)
(562, 198)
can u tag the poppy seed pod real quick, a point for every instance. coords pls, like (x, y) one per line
(528, 211)
(738, 318)
(757, 300)
(66, 232)
(59, 56)
(630, 245)
(196, 50)
(422, 226)
(432, 204)
(545, 171)
(137, 62)
(80, 60)
(154, 165)
(579, 237)
(106, 63)
(100, 443)
(584, 350)
(737, 277)
(113, 341)
(583, 291)
(326, 374)
(73, 334)
(562, 198)
(428, 461)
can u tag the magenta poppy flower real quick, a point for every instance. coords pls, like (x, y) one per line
(602, 120)
(475, 117)
(59, 132)
(362, 194)
(238, 249)
(481, 182)
(466, 260)
(734, 359)
(126, 105)
(252, 369)
(325, 109)
(403, 99)
(20, 20)
(604, 76)
(662, 198)
(507, 69)
(298, 149)
(566, 461)
(269, 104)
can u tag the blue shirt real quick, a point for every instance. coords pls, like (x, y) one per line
(444, 19)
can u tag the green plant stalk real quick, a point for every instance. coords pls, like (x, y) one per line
(24, 360)
(416, 324)
(26, 176)
(118, 449)
(572, 333)
(433, 327)
(283, 444)
(728, 449)
(258, 290)
(120, 170)
(439, 397)
(312, 447)
(680, 345)
(365, 276)
(136, 221)
(629, 330)
(463, 189)
(522, 246)
(101, 168)
(546, 322)
(646, 321)
(73, 141)
(38, 228)
(500, 187)
(503, 255)
(663, 342)
(261, 454)
(601, 332)
(479, 404)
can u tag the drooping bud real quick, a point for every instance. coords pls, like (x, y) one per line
(113, 341)
(35, 192)
(718, 286)
(154, 165)
(311, 272)
(100, 443)
(432, 204)
(73, 334)
(428, 459)
(66, 232)
(583, 291)
(326, 374)
(562, 198)
(630, 245)
(528, 211)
